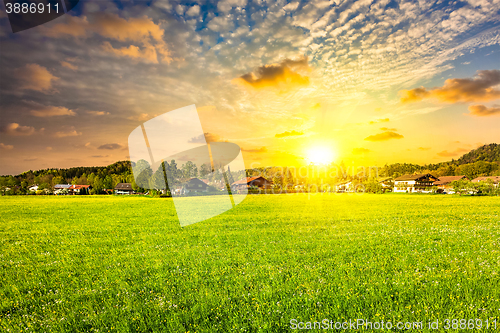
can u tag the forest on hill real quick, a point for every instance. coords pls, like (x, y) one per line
(483, 161)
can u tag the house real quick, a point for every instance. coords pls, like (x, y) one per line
(124, 188)
(495, 179)
(387, 183)
(61, 188)
(194, 185)
(444, 183)
(33, 188)
(418, 183)
(79, 189)
(249, 182)
(344, 187)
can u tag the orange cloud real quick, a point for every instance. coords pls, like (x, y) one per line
(52, 111)
(70, 131)
(6, 147)
(141, 31)
(457, 152)
(484, 111)
(282, 76)
(34, 77)
(384, 136)
(423, 148)
(68, 65)
(358, 151)
(17, 130)
(98, 113)
(478, 89)
(388, 129)
(141, 117)
(286, 133)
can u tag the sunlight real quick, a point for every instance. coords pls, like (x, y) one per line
(320, 155)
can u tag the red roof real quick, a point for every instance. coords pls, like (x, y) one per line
(78, 187)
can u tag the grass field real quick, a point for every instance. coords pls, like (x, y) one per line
(123, 264)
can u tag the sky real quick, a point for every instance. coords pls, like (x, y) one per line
(364, 82)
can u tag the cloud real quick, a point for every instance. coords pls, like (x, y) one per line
(423, 148)
(140, 30)
(384, 120)
(193, 11)
(226, 5)
(206, 137)
(388, 129)
(68, 65)
(478, 89)
(283, 75)
(458, 151)
(384, 136)
(34, 77)
(358, 151)
(141, 117)
(51, 111)
(148, 53)
(49, 148)
(98, 113)
(291, 6)
(70, 131)
(17, 130)
(484, 111)
(6, 147)
(110, 146)
(255, 150)
(287, 133)
(99, 156)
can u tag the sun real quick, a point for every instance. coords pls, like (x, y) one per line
(320, 155)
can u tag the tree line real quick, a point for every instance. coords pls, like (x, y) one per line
(484, 161)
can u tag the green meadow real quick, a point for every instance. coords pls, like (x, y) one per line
(123, 264)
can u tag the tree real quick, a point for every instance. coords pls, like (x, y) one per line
(108, 182)
(205, 169)
(189, 170)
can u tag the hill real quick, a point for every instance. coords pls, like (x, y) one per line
(486, 153)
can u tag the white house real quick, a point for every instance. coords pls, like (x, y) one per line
(419, 183)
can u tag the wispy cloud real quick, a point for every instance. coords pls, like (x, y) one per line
(384, 136)
(98, 113)
(110, 146)
(382, 120)
(206, 137)
(255, 150)
(457, 152)
(289, 133)
(359, 151)
(51, 111)
(69, 131)
(484, 111)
